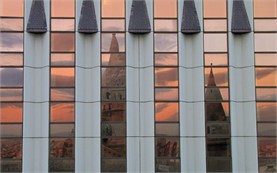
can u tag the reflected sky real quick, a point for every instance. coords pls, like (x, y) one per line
(266, 111)
(113, 8)
(265, 8)
(62, 94)
(113, 24)
(265, 24)
(11, 77)
(107, 39)
(165, 25)
(166, 59)
(62, 59)
(265, 42)
(170, 94)
(8, 59)
(266, 76)
(220, 75)
(266, 94)
(266, 59)
(166, 76)
(62, 42)
(215, 25)
(214, 8)
(165, 8)
(11, 8)
(62, 24)
(11, 42)
(62, 112)
(166, 111)
(11, 112)
(215, 42)
(11, 94)
(62, 8)
(216, 59)
(165, 42)
(11, 130)
(62, 77)
(11, 24)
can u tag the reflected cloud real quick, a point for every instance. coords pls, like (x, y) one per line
(11, 42)
(11, 77)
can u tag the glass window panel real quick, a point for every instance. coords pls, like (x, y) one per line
(215, 42)
(217, 111)
(267, 147)
(265, 24)
(7, 24)
(218, 147)
(114, 147)
(215, 8)
(216, 77)
(8, 165)
(218, 129)
(113, 94)
(11, 94)
(267, 129)
(62, 130)
(219, 164)
(266, 111)
(62, 59)
(61, 148)
(11, 148)
(166, 111)
(266, 42)
(165, 8)
(11, 42)
(112, 8)
(11, 112)
(165, 25)
(62, 42)
(12, 8)
(216, 60)
(61, 165)
(265, 8)
(216, 94)
(62, 24)
(266, 76)
(10, 130)
(113, 165)
(62, 94)
(167, 129)
(62, 112)
(115, 59)
(113, 112)
(215, 25)
(114, 42)
(114, 77)
(8, 59)
(166, 59)
(113, 24)
(266, 94)
(113, 129)
(266, 59)
(166, 94)
(167, 147)
(166, 76)
(168, 165)
(62, 77)
(11, 77)
(166, 42)
(62, 8)
(267, 165)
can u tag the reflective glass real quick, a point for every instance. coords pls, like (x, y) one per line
(9, 59)
(218, 129)
(11, 112)
(11, 8)
(62, 59)
(166, 111)
(215, 42)
(168, 165)
(265, 24)
(217, 111)
(165, 25)
(62, 94)
(11, 77)
(166, 76)
(114, 147)
(165, 8)
(11, 42)
(266, 111)
(10, 130)
(62, 112)
(113, 165)
(167, 147)
(11, 94)
(7, 24)
(216, 94)
(216, 60)
(216, 77)
(267, 147)
(115, 59)
(62, 42)
(62, 165)
(113, 8)
(219, 164)
(114, 42)
(11, 149)
(114, 77)
(62, 8)
(166, 42)
(62, 24)
(269, 59)
(266, 76)
(167, 129)
(113, 24)
(218, 147)
(215, 8)
(267, 165)
(215, 25)
(113, 129)
(266, 42)
(267, 129)
(61, 148)
(265, 8)
(266, 94)
(8, 165)
(62, 77)
(166, 59)
(62, 130)
(166, 94)
(113, 94)
(113, 112)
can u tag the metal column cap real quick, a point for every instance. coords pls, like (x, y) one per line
(88, 22)
(37, 20)
(190, 23)
(240, 21)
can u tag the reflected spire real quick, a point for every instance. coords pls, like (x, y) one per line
(114, 47)
(211, 80)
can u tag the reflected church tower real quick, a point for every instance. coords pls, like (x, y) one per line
(214, 111)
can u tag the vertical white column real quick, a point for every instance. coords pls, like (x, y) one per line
(88, 97)
(36, 97)
(242, 96)
(191, 84)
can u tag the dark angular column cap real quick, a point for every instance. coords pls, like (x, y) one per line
(88, 22)
(240, 21)
(190, 23)
(37, 20)
(139, 21)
